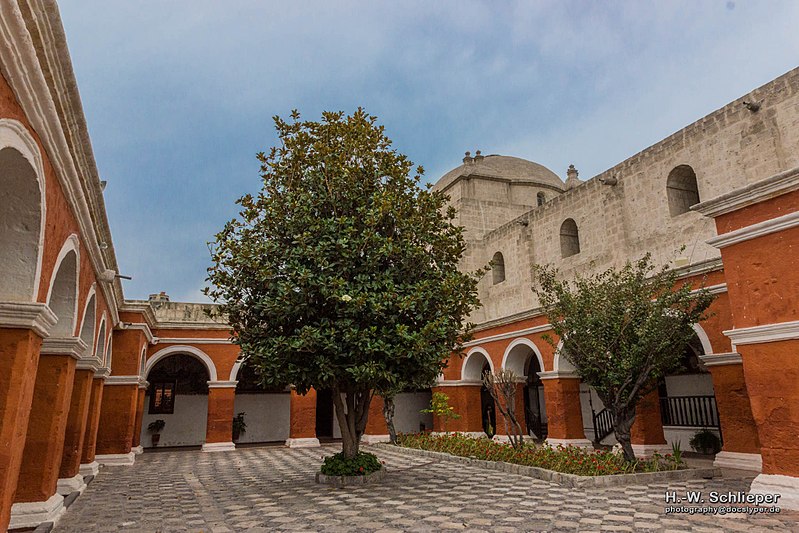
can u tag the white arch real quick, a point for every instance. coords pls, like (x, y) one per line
(70, 245)
(143, 362)
(704, 339)
(13, 134)
(179, 348)
(517, 365)
(234, 372)
(565, 363)
(470, 372)
(101, 340)
(109, 349)
(88, 335)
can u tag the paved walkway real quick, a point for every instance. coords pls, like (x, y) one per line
(272, 489)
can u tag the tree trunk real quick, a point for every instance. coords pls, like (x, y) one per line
(388, 413)
(622, 422)
(352, 412)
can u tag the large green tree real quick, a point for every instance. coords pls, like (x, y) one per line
(623, 329)
(342, 273)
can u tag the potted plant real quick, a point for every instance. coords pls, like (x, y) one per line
(239, 426)
(155, 427)
(706, 442)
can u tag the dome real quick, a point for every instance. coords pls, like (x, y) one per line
(503, 167)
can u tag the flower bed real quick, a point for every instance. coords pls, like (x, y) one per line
(362, 464)
(565, 459)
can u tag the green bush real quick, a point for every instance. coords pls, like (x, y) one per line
(362, 464)
(705, 441)
(566, 459)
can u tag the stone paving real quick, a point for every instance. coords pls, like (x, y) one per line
(272, 489)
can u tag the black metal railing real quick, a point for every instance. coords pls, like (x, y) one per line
(535, 424)
(690, 411)
(603, 424)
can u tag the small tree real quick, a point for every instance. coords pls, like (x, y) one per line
(342, 273)
(502, 386)
(623, 330)
(440, 407)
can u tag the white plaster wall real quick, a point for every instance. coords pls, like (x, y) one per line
(406, 411)
(185, 427)
(690, 385)
(683, 435)
(266, 415)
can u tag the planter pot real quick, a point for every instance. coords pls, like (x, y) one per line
(348, 481)
(156, 438)
(236, 436)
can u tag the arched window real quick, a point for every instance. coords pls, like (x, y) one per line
(681, 190)
(569, 238)
(498, 268)
(540, 199)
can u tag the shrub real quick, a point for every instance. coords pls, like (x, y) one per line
(156, 426)
(360, 465)
(705, 441)
(566, 459)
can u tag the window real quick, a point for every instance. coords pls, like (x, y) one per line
(498, 268)
(162, 398)
(540, 199)
(681, 190)
(569, 238)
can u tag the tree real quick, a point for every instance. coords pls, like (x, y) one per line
(342, 273)
(503, 385)
(440, 407)
(623, 330)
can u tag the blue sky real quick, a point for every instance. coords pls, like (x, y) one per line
(179, 94)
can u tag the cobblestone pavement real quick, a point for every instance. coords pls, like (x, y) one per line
(272, 489)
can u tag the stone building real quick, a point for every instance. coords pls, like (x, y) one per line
(83, 371)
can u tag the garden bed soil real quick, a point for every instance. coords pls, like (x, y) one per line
(568, 480)
(348, 481)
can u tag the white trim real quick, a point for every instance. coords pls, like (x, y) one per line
(116, 459)
(138, 450)
(374, 439)
(522, 342)
(580, 443)
(31, 514)
(72, 346)
(557, 374)
(218, 447)
(189, 340)
(739, 461)
(768, 333)
(309, 442)
(71, 244)
(222, 384)
(786, 486)
(13, 134)
(27, 315)
(90, 469)
(179, 348)
(645, 451)
(719, 288)
(68, 485)
(102, 373)
(721, 359)
(458, 383)
(124, 380)
(101, 332)
(703, 338)
(471, 434)
(761, 229)
(234, 372)
(508, 335)
(92, 293)
(142, 327)
(91, 364)
(471, 352)
(757, 192)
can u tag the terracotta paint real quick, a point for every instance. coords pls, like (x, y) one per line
(735, 411)
(76, 424)
(92, 422)
(647, 427)
(117, 414)
(564, 414)
(302, 419)
(220, 415)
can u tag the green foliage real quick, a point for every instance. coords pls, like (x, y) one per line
(705, 441)
(239, 425)
(342, 273)
(676, 451)
(156, 426)
(360, 465)
(440, 407)
(566, 459)
(622, 329)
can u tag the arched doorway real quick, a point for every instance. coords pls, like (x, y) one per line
(266, 411)
(326, 428)
(524, 360)
(63, 295)
(178, 395)
(487, 407)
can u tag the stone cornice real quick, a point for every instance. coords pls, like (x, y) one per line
(28, 315)
(558, 374)
(770, 187)
(25, 72)
(72, 346)
(721, 359)
(139, 306)
(222, 384)
(148, 333)
(791, 220)
(459, 383)
(508, 335)
(760, 334)
(125, 380)
(102, 373)
(89, 363)
(190, 340)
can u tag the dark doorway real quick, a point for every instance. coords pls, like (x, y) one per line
(488, 409)
(533, 415)
(324, 414)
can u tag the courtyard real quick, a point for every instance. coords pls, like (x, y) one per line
(272, 489)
